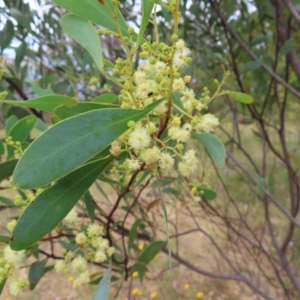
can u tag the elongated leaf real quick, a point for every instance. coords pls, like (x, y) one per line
(90, 206)
(65, 112)
(7, 169)
(21, 130)
(6, 201)
(95, 12)
(133, 233)
(36, 272)
(71, 143)
(2, 149)
(4, 239)
(2, 284)
(139, 267)
(147, 7)
(106, 98)
(151, 251)
(102, 291)
(53, 204)
(84, 33)
(45, 103)
(213, 146)
(244, 98)
(6, 34)
(10, 122)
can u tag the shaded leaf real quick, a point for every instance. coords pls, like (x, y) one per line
(151, 251)
(139, 267)
(90, 206)
(6, 34)
(45, 103)
(65, 112)
(242, 97)
(36, 272)
(2, 149)
(4, 239)
(133, 233)
(92, 131)
(213, 146)
(84, 33)
(95, 12)
(10, 122)
(2, 284)
(7, 169)
(56, 201)
(102, 291)
(286, 47)
(207, 193)
(147, 7)
(106, 98)
(21, 130)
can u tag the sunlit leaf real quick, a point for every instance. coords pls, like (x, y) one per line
(84, 33)
(65, 141)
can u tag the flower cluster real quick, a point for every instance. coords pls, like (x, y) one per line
(159, 141)
(9, 262)
(93, 248)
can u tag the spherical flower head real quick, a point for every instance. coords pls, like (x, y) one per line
(71, 216)
(186, 169)
(79, 264)
(16, 286)
(166, 161)
(190, 157)
(132, 164)
(139, 139)
(139, 77)
(208, 123)
(104, 244)
(180, 45)
(11, 225)
(95, 230)
(100, 256)
(159, 66)
(83, 278)
(174, 133)
(60, 266)
(176, 121)
(200, 106)
(150, 155)
(110, 251)
(178, 85)
(135, 274)
(13, 257)
(136, 292)
(200, 295)
(187, 94)
(197, 199)
(115, 150)
(179, 134)
(96, 241)
(161, 108)
(180, 57)
(186, 286)
(144, 89)
(153, 295)
(81, 238)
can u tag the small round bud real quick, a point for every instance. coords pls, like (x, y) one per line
(174, 38)
(131, 30)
